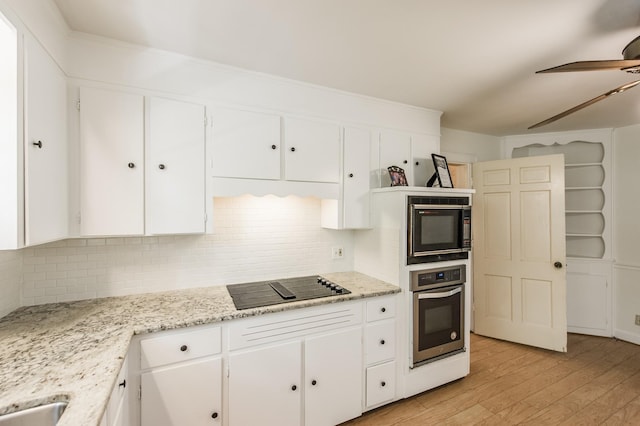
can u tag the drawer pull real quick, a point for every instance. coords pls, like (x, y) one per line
(123, 384)
(383, 310)
(183, 348)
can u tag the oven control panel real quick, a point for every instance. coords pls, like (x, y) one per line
(438, 277)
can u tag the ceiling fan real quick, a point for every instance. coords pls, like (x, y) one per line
(630, 64)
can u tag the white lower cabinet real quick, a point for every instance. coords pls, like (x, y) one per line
(269, 385)
(117, 412)
(265, 385)
(181, 378)
(381, 383)
(183, 394)
(380, 351)
(333, 378)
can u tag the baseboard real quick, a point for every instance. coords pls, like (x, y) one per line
(627, 337)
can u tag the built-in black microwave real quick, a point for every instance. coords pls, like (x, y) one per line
(439, 228)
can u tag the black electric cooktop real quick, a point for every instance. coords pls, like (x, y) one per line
(274, 292)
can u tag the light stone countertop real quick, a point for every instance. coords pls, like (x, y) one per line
(73, 351)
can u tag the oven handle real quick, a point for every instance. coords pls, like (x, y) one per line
(439, 295)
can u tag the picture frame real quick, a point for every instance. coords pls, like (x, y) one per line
(442, 173)
(397, 176)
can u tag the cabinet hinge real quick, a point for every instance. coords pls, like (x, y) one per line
(140, 392)
(79, 218)
(206, 120)
(78, 104)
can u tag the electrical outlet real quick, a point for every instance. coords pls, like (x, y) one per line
(337, 253)
(637, 319)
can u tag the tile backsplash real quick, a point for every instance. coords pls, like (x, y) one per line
(10, 280)
(254, 238)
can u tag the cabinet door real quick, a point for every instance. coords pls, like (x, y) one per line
(395, 150)
(46, 150)
(355, 197)
(333, 378)
(183, 394)
(246, 144)
(265, 387)
(111, 163)
(312, 151)
(422, 146)
(175, 168)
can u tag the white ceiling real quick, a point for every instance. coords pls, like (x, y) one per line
(474, 60)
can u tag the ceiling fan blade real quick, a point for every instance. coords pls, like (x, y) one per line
(586, 104)
(594, 66)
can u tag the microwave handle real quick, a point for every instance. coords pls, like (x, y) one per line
(439, 295)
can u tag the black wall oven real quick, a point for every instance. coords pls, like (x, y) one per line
(439, 229)
(438, 313)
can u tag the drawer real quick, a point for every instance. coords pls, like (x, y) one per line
(181, 346)
(118, 392)
(381, 384)
(381, 308)
(380, 341)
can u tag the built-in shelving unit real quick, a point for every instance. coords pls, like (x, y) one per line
(584, 194)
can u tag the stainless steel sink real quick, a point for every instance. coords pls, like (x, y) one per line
(43, 415)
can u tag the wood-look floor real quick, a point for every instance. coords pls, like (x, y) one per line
(597, 382)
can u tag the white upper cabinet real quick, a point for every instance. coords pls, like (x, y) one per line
(246, 144)
(422, 146)
(111, 162)
(175, 164)
(351, 209)
(129, 186)
(46, 147)
(312, 150)
(395, 150)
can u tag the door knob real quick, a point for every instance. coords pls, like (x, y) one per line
(557, 265)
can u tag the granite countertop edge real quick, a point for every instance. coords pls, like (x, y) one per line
(73, 351)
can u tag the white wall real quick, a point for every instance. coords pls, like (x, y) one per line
(476, 146)
(256, 238)
(626, 232)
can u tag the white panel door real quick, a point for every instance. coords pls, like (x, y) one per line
(246, 144)
(265, 386)
(333, 378)
(183, 394)
(111, 162)
(46, 148)
(312, 150)
(519, 251)
(355, 197)
(175, 168)
(395, 150)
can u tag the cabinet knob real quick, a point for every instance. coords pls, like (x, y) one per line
(405, 161)
(161, 166)
(417, 163)
(273, 147)
(558, 265)
(314, 382)
(382, 342)
(38, 144)
(293, 149)
(123, 384)
(183, 348)
(214, 415)
(294, 387)
(131, 165)
(350, 174)
(383, 384)
(383, 309)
